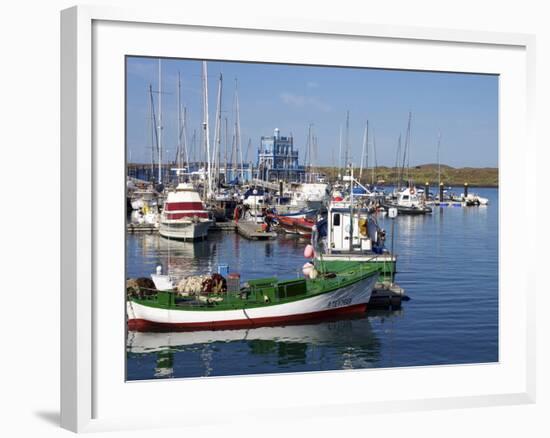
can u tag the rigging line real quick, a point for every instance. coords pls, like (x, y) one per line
(247, 317)
(375, 166)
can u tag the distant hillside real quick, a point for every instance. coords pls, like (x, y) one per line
(474, 176)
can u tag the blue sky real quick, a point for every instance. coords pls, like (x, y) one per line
(463, 107)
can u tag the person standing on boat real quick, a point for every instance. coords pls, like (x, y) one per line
(267, 220)
(237, 213)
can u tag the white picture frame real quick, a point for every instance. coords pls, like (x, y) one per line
(93, 396)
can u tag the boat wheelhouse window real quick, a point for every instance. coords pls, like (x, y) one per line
(336, 220)
(405, 197)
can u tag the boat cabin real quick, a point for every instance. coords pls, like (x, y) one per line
(409, 198)
(340, 230)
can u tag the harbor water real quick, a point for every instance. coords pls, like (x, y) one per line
(447, 264)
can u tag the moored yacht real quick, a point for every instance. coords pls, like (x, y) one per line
(184, 216)
(408, 202)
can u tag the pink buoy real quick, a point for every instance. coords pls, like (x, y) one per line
(308, 252)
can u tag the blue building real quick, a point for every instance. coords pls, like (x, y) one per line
(277, 159)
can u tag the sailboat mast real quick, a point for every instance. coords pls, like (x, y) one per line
(375, 162)
(218, 139)
(238, 130)
(248, 146)
(159, 135)
(340, 152)
(365, 140)
(153, 127)
(406, 151)
(226, 137)
(397, 166)
(179, 151)
(366, 153)
(315, 157)
(346, 161)
(438, 161)
(205, 125)
(308, 154)
(184, 134)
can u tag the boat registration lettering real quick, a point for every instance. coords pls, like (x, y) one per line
(339, 302)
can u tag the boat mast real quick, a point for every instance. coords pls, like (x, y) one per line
(409, 150)
(340, 154)
(226, 144)
(238, 130)
(233, 159)
(406, 151)
(154, 132)
(308, 154)
(179, 150)
(346, 159)
(438, 162)
(315, 155)
(184, 134)
(194, 145)
(159, 135)
(249, 145)
(218, 140)
(205, 127)
(375, 163)
(364, 152)
(397, 167)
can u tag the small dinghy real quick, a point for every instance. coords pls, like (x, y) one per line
(299, 226)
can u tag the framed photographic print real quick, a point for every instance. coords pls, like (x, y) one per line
(296, 213)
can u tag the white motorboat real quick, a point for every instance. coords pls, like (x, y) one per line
(184, 216)
(475, 199)
(311, 195)
(408, 202)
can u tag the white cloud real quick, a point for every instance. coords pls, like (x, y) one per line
(300, 101)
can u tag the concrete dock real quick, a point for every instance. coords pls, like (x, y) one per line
(447, 204)
(253, 231)
(223, 226)
(141, 228)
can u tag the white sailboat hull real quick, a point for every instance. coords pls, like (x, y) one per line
(185, 229)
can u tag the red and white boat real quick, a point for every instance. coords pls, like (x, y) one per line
(184, 216)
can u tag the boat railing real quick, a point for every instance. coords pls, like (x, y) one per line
(175, 298)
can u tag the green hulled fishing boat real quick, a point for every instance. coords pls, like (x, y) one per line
(325, 290)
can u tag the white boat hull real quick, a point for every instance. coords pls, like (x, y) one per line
(185, 229)
(352, 298)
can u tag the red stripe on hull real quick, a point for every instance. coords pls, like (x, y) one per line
(171, 206)
(142, 325)
(173, 216)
